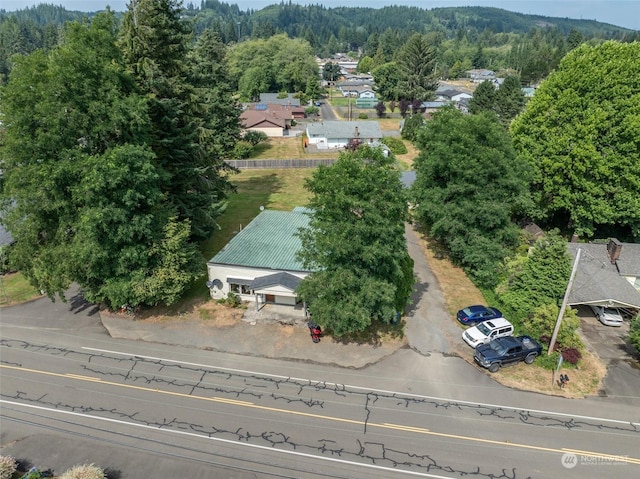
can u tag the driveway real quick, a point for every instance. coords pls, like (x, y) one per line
(619, 356)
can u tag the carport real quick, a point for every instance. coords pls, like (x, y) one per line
(607, 275)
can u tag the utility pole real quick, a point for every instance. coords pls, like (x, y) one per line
(554, 336)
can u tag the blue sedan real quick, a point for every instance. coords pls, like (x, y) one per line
(477, 314)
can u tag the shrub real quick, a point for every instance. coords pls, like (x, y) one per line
(86, 471)
(548, 361)
(254, 137)
(311, 110)
(634, 332)
(242, 150)
(35, 473)
(8, 466)
(232, 300)
(396, 145)
(363, 116)
(571, 355)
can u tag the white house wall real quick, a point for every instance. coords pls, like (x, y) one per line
(218, 275)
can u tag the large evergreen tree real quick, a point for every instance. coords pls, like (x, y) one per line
(355, 242)
(484, 98)
(581, 134)
(417, 66)
(154, 41)
(81, 189)
(468, 185)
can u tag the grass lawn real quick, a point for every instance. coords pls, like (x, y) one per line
(273, 189)
(15, 289)
(286, 147)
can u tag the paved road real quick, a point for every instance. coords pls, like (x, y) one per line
(246, 420)
(429, 411)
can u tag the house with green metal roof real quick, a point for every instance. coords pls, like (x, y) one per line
(259, 264)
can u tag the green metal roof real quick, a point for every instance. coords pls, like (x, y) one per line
(269, 242)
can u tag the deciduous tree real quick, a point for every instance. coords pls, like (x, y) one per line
(355, 243)
(469, 184)
(580, 134)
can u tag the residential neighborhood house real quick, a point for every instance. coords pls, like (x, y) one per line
(272, 119)
(327, 135)
(608, 274)
(274, 98)
(259, 264)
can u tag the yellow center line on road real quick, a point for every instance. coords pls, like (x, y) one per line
(84, 378)
(398, 427)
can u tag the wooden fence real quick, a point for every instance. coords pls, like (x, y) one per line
(279, 164)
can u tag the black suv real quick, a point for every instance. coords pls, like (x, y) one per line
(507, 350)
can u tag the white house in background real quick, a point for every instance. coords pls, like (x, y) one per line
(259, 264)
(328, 135)
(367, 93)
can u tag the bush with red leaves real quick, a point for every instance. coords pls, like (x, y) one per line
(571, 355)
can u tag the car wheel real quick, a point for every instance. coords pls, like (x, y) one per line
(494, 367)
(530, 358)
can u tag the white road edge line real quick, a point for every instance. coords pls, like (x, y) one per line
(229, 441)
(512, 408)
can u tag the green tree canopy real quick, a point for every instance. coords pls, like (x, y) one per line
(580, 133)
(417, 66)
(154, 40)
(484, 98)
(387, 79)
(540, 279)
(469, 184)
(85, 189)
(355, 243)
(509, 100)
(273, 65)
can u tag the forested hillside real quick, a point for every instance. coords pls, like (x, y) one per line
(460, 31)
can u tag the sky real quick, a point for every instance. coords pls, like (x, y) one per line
(623, 13)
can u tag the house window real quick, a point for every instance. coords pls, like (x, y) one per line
(239, 288)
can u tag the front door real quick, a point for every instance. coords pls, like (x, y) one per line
(269, 298)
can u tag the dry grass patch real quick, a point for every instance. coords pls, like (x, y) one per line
(458, 289)
(287, 148)
(387, 124)
(583, 381)
(409, 156)
(210, 312)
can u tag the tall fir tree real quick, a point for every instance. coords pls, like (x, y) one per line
(87, 206)
(154, 41)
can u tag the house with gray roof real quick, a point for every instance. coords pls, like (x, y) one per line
(273, 98)
(259, 263)
(337, 134)
(608, 274)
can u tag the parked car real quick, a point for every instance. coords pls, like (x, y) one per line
(477, 313)
(507, 350)
(608, 316)
(487, 331)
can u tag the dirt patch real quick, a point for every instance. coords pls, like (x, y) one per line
(211, 313)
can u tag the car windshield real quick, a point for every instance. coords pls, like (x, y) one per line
(483, 329)
(497, 347)
(467, 311)
(612, 312)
